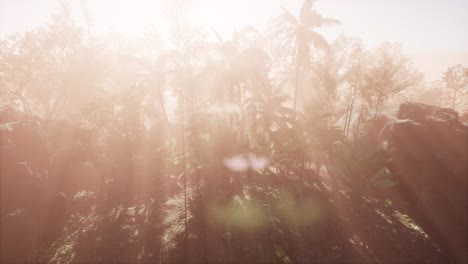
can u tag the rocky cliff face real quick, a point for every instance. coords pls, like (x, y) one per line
(430, 156)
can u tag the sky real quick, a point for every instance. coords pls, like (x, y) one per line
(434, 33)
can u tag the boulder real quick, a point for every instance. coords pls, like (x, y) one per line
(429, 151)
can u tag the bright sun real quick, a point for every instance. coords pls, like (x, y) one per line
(130, 17)
(127, 17)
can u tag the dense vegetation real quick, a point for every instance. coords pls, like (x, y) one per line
(269, 147)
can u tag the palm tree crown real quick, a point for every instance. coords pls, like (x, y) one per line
(301, 31)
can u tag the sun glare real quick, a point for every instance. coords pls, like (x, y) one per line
(131, 17)
(233, 131)
(126, 16)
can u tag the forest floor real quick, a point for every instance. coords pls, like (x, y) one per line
(372, 232)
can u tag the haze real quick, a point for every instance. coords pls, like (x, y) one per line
(208, 131)
(430, 31)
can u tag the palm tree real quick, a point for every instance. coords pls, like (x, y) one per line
(267, 107)
(240, 60)
(321, 132)
(301, 31)
(239, 65)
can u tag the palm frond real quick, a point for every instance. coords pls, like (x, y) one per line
(306, 10)
(247, 30)
(317, 40)
(285, 33)
(217, 35)
(288, 17)
(246, 35)
(330, 22)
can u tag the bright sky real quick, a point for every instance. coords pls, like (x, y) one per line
(425, 27)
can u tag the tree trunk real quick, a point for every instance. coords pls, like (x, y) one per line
(296, 84)
(377, 106)
(163, 109)
(352, 100)
(348, 113)
(359, 119)
(185, 175)
(454, 99)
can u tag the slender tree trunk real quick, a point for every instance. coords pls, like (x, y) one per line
(163, 108)
(348, 113)
(454, 99)
(233, 101)
(185, 175)
(296, 84)
(359, 119)
(377, 106)
(352, 100)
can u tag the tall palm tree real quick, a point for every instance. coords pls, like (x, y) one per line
(241, 60)
(301, 31)
(267, 107)
(321, 132)
(239, 65)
